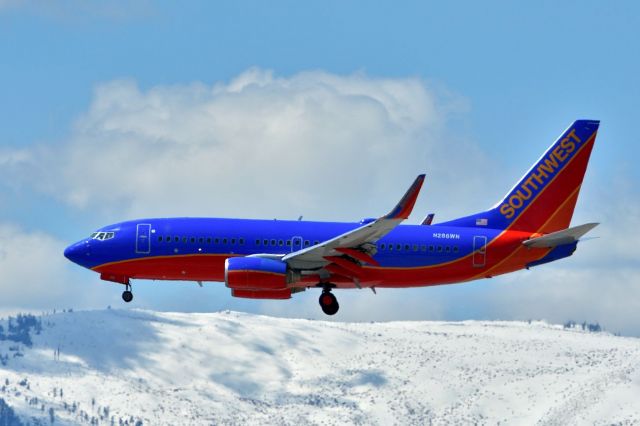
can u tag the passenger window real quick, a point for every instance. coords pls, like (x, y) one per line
(455, 249)
(431, 249)
(390, 247)
(439, 249)
(201, 240)
(406, 247)
(257, 242)
(423, 247)
(288, 243)
(273, 242)
(415, 247)
(280, 243)
(382, 246)
(306, 243)
(447, 249)
(217, 241)
(224, 241)
(233, 241)
(398, 247)
(176, 239)
(159, 238)
(265, 242)
(316, 242)
(193, 239)
(241, 241)
(209, 240)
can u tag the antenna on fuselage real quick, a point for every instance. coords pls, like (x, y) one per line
(299, 218)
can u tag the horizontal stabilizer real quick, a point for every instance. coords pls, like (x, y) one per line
(566, 236)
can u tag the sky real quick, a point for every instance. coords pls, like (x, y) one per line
(116, 110)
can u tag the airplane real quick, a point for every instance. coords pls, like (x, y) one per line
(275, 259)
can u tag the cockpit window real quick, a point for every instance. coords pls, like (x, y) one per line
(103, 235)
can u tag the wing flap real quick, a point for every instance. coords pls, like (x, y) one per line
(358, 255)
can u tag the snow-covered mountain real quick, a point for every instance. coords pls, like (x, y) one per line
(117, 366)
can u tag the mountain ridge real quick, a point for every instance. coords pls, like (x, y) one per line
(144, 367)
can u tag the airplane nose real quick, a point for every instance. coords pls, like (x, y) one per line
(78, 252)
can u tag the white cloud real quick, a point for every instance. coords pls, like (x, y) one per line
(323, 145)
(610, 296)
(329, 147)
(318, 144)
(35, 275)
(600, 282)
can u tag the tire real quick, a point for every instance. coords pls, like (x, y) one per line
(328, 303)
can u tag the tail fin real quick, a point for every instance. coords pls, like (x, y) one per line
(544, 199)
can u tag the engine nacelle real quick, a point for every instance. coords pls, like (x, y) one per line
(280, 294)
(255, 273)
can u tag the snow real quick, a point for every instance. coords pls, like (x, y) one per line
(235, 368)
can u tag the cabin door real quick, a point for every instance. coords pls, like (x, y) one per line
(296, 244)
(143, 238)
(479, 251)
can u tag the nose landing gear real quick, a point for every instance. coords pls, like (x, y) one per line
(328, 302)
(127, 295)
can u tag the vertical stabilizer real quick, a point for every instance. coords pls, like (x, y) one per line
(544, 199)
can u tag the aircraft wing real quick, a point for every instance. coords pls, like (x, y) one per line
(358, 242)
(566, 236)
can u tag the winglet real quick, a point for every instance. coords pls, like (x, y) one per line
(428, 219)
(404, 207)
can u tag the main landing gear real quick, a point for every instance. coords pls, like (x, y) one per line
(328, 302)
(127, 296)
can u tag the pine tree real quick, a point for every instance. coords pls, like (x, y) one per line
(7, 415)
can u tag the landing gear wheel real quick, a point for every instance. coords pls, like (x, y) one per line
(127, 296)
(329, 303)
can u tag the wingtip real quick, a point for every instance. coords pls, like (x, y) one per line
(405, 206)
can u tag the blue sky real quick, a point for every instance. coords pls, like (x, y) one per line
(503, 78)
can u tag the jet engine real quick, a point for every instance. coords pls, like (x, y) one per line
(255, 273)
